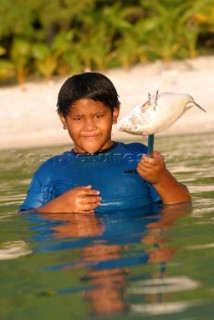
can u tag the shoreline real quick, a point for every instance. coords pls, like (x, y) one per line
(29, 118)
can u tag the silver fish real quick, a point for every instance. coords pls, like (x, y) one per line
(156, 114)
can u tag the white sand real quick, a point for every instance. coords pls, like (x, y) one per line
(29, 119)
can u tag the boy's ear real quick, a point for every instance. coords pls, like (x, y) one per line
(116, 114)
(62, 119)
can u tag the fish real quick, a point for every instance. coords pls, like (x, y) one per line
(157, 114)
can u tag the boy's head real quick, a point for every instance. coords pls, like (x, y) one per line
(88, 85)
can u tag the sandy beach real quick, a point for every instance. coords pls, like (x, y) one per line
(28, 112)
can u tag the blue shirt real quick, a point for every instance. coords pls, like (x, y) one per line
(112, 172)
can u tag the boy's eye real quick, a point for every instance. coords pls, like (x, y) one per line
(98, 116)
(95, 116)
(76, 118)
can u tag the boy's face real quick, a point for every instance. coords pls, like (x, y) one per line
(89, 124)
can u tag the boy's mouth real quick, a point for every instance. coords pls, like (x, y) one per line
(92, 136)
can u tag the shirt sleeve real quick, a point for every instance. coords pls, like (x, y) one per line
(38, 195)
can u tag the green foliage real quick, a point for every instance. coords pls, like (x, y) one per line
(47, 58)
(6, 70)
(58, 37)
(20, 55)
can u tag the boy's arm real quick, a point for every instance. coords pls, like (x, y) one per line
(171, 191)
(80, 199)
(154, 171)
(41, 197)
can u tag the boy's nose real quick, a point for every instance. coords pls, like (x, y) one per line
(89, 124)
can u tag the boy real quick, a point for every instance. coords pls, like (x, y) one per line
(98, 173)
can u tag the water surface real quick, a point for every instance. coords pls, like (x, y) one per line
(153, 263)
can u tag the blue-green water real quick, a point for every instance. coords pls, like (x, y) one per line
(155, 263)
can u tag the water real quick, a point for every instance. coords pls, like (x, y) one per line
(147, 264)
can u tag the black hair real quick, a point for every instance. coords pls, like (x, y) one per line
(88, 85)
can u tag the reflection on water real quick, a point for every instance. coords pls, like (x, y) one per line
(108, 256)
(13, 250)
(155, 262)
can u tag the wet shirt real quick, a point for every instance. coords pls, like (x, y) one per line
(112, 172)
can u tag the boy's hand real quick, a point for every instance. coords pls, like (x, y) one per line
(152, 169)
(80, 199)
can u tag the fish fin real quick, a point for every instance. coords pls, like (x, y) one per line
(149, 96)
(156, 100)
(192, 104)
(197, 105)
